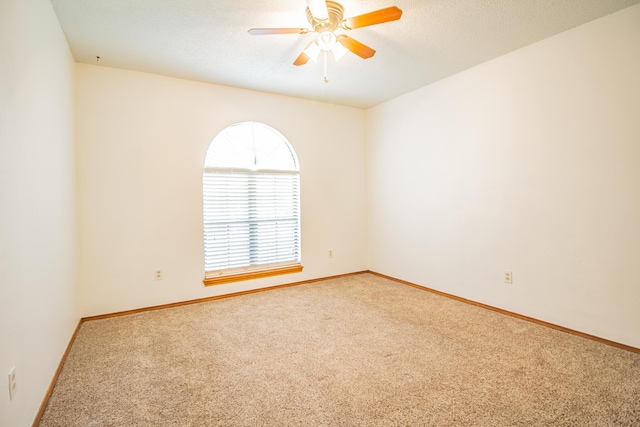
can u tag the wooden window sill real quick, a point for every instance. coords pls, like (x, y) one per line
(212, 281)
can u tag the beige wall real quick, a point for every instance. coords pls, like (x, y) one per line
(38, 310)
(142, 140)
(527, 163)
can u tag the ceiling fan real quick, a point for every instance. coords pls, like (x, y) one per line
(327, 19)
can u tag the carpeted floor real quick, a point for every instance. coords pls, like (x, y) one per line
(355, 351)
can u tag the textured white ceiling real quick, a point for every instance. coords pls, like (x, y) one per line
(207, 40)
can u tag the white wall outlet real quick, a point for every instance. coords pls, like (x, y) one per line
(12, 383)
(330, 254)
(158, 274)
(508, 277)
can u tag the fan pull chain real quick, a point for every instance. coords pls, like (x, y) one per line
(326, 79)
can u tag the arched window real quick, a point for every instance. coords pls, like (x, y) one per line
(251, 195)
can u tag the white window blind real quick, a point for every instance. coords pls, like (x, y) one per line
(251, 215)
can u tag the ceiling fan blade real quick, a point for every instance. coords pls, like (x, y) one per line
(268, 31)
(318, 9)
(363, 51)
(372, 18)
(303, 58)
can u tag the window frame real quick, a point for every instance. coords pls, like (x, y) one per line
(254, 176)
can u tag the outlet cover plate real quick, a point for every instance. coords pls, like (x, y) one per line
(508, 277)
(12, 383)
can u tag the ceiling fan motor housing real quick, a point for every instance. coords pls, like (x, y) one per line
(336, 15)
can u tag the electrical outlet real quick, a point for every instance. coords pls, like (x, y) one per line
(12, 383)
(330, 253)
(508, 277)
(158, 274)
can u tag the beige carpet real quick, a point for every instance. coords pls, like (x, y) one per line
(355, 351)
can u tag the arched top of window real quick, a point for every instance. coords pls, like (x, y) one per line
(251, 146)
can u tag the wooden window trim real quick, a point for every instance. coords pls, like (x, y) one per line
(220, 280)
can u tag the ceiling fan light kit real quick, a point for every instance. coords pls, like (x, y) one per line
(326, 40)
(327, 17)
